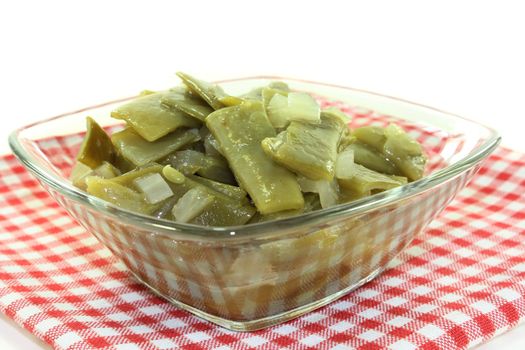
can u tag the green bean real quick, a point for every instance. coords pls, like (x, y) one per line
(119, 195)
(373, 136)
(96, 147)
(180, 99)
(308, 149)
(139, 151)
(228, 190)
(211, 93)
(192, 162)
(151, 119)
(405, 153)
(365, 181)
(372, 159)
(239, 131)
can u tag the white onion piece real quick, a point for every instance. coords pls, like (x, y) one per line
(328, 193)
(307, 185)
(192, 204)
(154, 188)
(344, 165)
(328, 190)
(277, 111)
(303, 107)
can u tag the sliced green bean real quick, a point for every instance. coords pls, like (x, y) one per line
(239, 131)
(279, 85)
(138, 151)
(373, 136)
(365, 181)
(308, 149)
(257, 93)
(335, 112)
(119, 195)
(190, 162)
(211, 93)
(150, 118)
(405, 153)
(253, 95)
(372, 159)
(229, 190)
(180, 99)
(96, 147)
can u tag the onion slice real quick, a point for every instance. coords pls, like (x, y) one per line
(277, 111)
(328, 193)
(344, 165)
(328, 190)
(298, 106)
(192, 204)
(154, 187)
(302, 107)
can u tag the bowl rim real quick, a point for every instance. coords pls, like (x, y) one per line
(262, 229)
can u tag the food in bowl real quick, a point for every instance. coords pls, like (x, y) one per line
(248, 277)
(194, 154)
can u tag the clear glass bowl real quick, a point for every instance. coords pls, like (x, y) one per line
(251, 277)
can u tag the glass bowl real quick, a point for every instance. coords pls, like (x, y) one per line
(251, 277)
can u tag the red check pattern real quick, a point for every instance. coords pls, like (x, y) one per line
(459, 283)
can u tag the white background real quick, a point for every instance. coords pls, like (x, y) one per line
(463, 57)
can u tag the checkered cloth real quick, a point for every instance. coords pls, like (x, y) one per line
(461, 282)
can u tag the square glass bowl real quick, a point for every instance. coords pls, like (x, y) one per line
(251, 277)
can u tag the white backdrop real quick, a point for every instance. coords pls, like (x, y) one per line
(464, 57)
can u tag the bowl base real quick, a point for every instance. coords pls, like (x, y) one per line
(265, 322)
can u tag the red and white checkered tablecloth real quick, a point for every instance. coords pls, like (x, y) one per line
(460, 283)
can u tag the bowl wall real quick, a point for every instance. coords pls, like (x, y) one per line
(254, 283)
